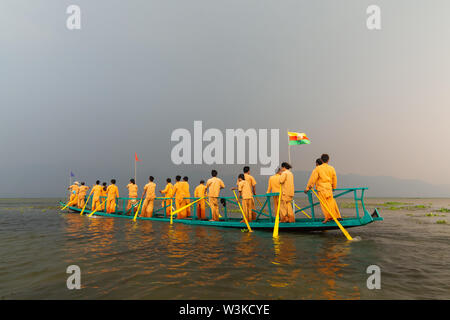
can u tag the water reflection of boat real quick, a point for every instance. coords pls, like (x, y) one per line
(264, 212)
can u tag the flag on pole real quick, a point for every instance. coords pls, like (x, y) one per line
(71, 174)
(296, 138)
(136, 157)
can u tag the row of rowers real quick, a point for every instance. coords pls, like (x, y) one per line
(323, 178)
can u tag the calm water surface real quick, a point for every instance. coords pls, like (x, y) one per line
(120, 259)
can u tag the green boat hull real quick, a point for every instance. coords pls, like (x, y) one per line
(298, 225)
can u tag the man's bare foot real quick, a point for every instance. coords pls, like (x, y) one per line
(326, 220)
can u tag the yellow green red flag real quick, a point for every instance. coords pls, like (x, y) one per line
(298, 138)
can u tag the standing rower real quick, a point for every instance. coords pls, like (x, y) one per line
(287, 193)
(214, 185)
(132, 193)
(199, 192)
(252, 182)
(149, 189)
(187, 194)
(103, 196)
(112, 193)
(273, 186)
(96, 193)
(74, 193)
(168, 193)
(178, 193)
(82, 194)
(246, 193)
(325, 180)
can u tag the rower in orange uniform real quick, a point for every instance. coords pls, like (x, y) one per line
(112, 193)
(187, 194)
(246, 193)
(178, 193)
(273, 186)
(149, 189)
(214, 185)
(200, 192)
(167, 193)
(252, 182)
(73, 200)
(103, 196)
(96, 193)
(325, 180)
(133, 194)
(82, 194)
(287, 193)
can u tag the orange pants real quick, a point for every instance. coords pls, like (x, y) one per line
(183, 213)
(331, 204)
(214, 203)
(247, 208)
(147, 208)
(81, 200)
(275, 203)
(110, 205)
(286, 212)
(95, 203)
(201, 212)
(167, 203)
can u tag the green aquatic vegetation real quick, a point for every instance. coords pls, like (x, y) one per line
(348, 205)
(394, 203)
(441, 222)
(393, 208)
(431, 215)
(419, 206)
(444, 210)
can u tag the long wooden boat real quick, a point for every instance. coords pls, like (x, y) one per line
(231, 218)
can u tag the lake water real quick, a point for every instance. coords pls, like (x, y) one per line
(121, 259)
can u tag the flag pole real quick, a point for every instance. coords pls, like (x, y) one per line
(289, 150)
(135, 170)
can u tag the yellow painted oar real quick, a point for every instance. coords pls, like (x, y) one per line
(101, 205)
(81, 213)
(347, 235)
(277, 217)
(245, 218)
(182, 208)
(69, 203)
(171, 210)
(139, 207)
(302, 210)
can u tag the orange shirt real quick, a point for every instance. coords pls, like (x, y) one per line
(112, 191)
(273, 185)
(245, 189)
(149, 189)
(97, 191)
(287, 183)
(214, 184)
(82, 191)
(177, 191)
(104, 193)
(74, 189)
(185, 188)
(132, 190)
(324, 177)
(168, 191)
(248, 178)
(200, 191)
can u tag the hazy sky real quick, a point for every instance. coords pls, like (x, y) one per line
(377, 101)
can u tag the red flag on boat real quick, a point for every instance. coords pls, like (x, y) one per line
(136, 157)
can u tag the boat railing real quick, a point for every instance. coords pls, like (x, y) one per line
(306, 206)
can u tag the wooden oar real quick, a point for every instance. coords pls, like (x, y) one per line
(277, 217)
(245, 218)
(182, 208)
(139, 207)
(101, 205)
(346, 234)
(81, 213)
(302, 210)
